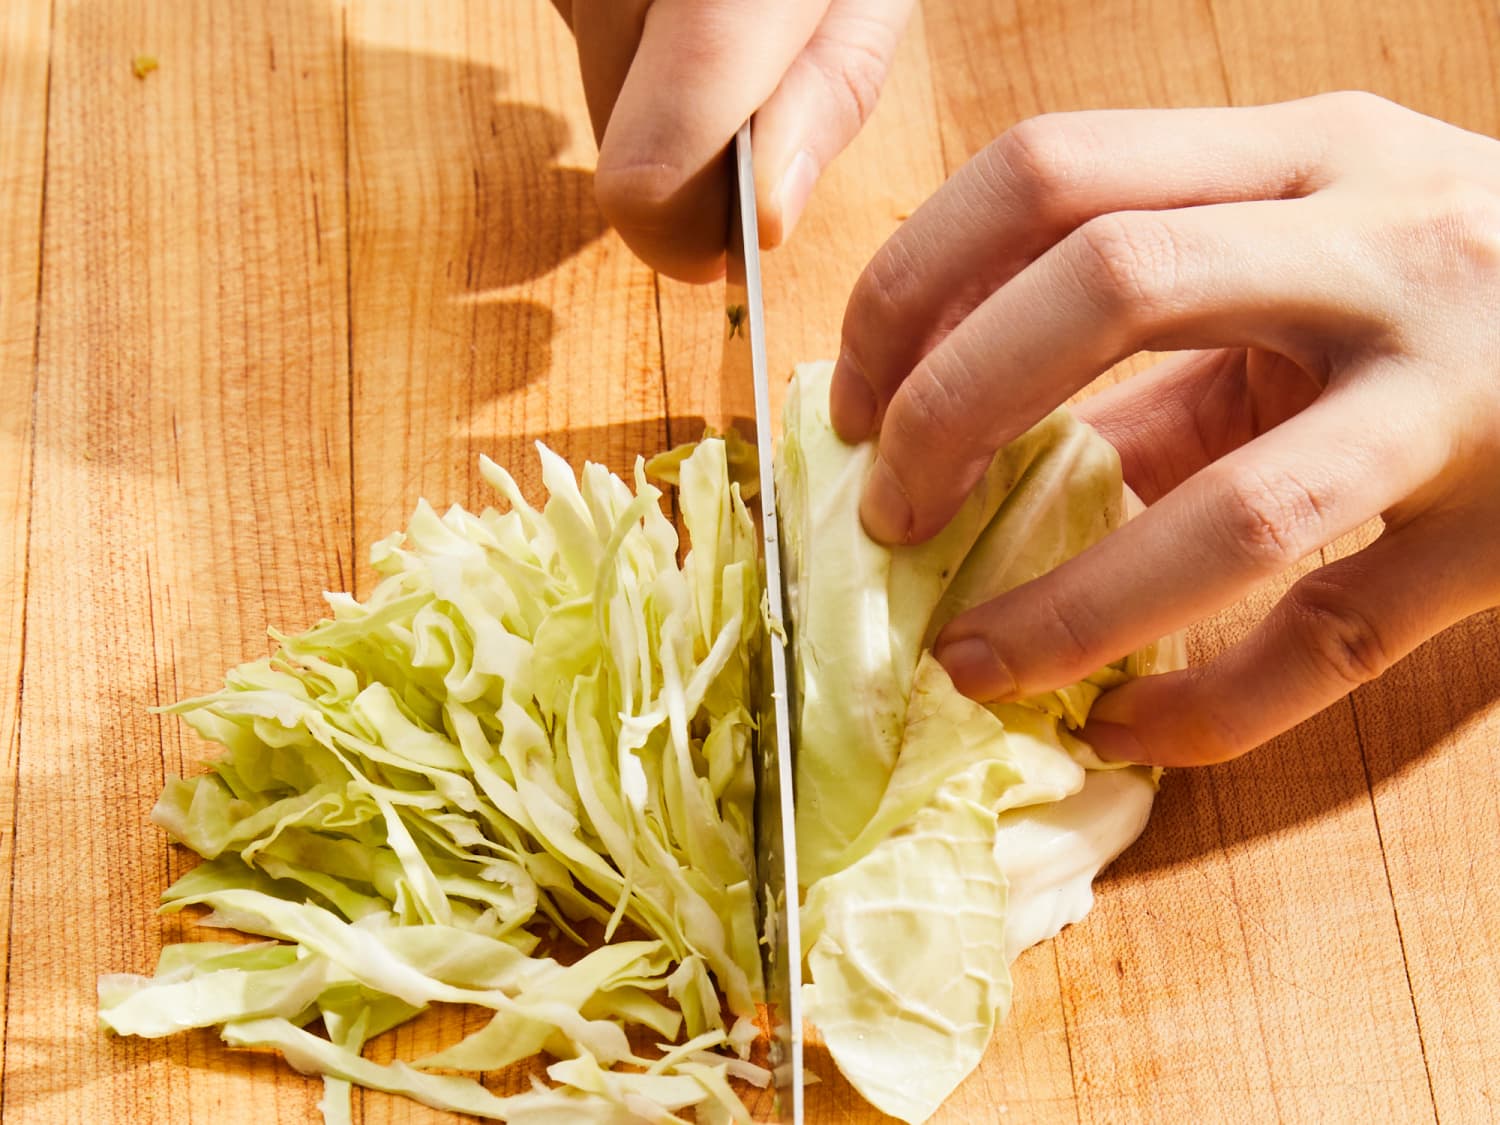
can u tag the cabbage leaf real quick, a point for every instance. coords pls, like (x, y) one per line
(937, 837)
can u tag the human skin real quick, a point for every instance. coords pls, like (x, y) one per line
(669, 82)
(1329, 270)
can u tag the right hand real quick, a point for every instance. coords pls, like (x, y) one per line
(1329, 266)
(669, 82)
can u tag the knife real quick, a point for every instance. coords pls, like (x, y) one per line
(745, 369)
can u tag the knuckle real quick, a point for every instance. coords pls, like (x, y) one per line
(1214, 733)
(1359, 108)
(1443, 245)
(1070, 632)
(1129, 262)
(925, 410)
(883, 289)
(1357, 125)
(1214, 739)
(1466, 223)
(1037, 163)
(855, 75)
(1362, 131)
(1343, 642)
(1270, 519)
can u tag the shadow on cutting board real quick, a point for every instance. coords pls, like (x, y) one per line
(458, 202)
(1339, 756)
(614, 446)
(444, 166)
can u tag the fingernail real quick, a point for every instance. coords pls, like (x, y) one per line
(852, 406)
(884, 509)
(1111, 741)
(795, 189)
(1108, 729)
(1113, 707)
(975, 669)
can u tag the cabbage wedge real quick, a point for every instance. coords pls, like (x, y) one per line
(937, 837)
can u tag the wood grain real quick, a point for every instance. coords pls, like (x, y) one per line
(332, 250)
(23, 117)
(1429, 731)
(996, 62)
(1256, 1038)
(490, 308)
(190, 487)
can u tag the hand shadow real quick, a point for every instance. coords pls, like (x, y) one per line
(457, 198)
(1345, 753)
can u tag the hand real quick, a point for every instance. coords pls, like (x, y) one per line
(669, 82)
(1335, 264)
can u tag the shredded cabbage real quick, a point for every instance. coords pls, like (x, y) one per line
(535, 728)
(535, 733)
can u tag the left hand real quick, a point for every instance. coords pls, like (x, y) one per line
(668, 82)
(1335, 265)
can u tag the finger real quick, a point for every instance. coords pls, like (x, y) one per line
(701, 68)
(1187, 411)
(826, 95)
(1230, 274)
(1205, 545)
(1044, 178)
(607, 33)
(1336, 629)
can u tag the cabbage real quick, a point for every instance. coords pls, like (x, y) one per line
(535, 732)
(937, 837)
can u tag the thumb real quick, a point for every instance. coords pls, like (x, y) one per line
(824, 98)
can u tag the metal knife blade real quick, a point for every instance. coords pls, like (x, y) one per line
(745, 369)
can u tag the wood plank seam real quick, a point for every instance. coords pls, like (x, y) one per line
(674, 508)
(666, 398)
(13, 781)
(1385, 860)
(348, 581)
(1057, 961)
(1248, 945)
(1213, 25)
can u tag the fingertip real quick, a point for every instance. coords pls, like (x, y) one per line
(1151, 722)
(1116, 743)
(975, 668)
(1111, 728)
(884, 509)
(790, 198)
(663, 214)
(851, 401)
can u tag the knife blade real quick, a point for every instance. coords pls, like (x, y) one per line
(745, 370)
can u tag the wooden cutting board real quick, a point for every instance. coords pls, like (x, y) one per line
(258, 300)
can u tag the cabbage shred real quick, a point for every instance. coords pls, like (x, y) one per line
(534, 730)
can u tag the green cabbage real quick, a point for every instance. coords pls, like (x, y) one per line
(536, 728)
(535, 733)
(937, 837)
